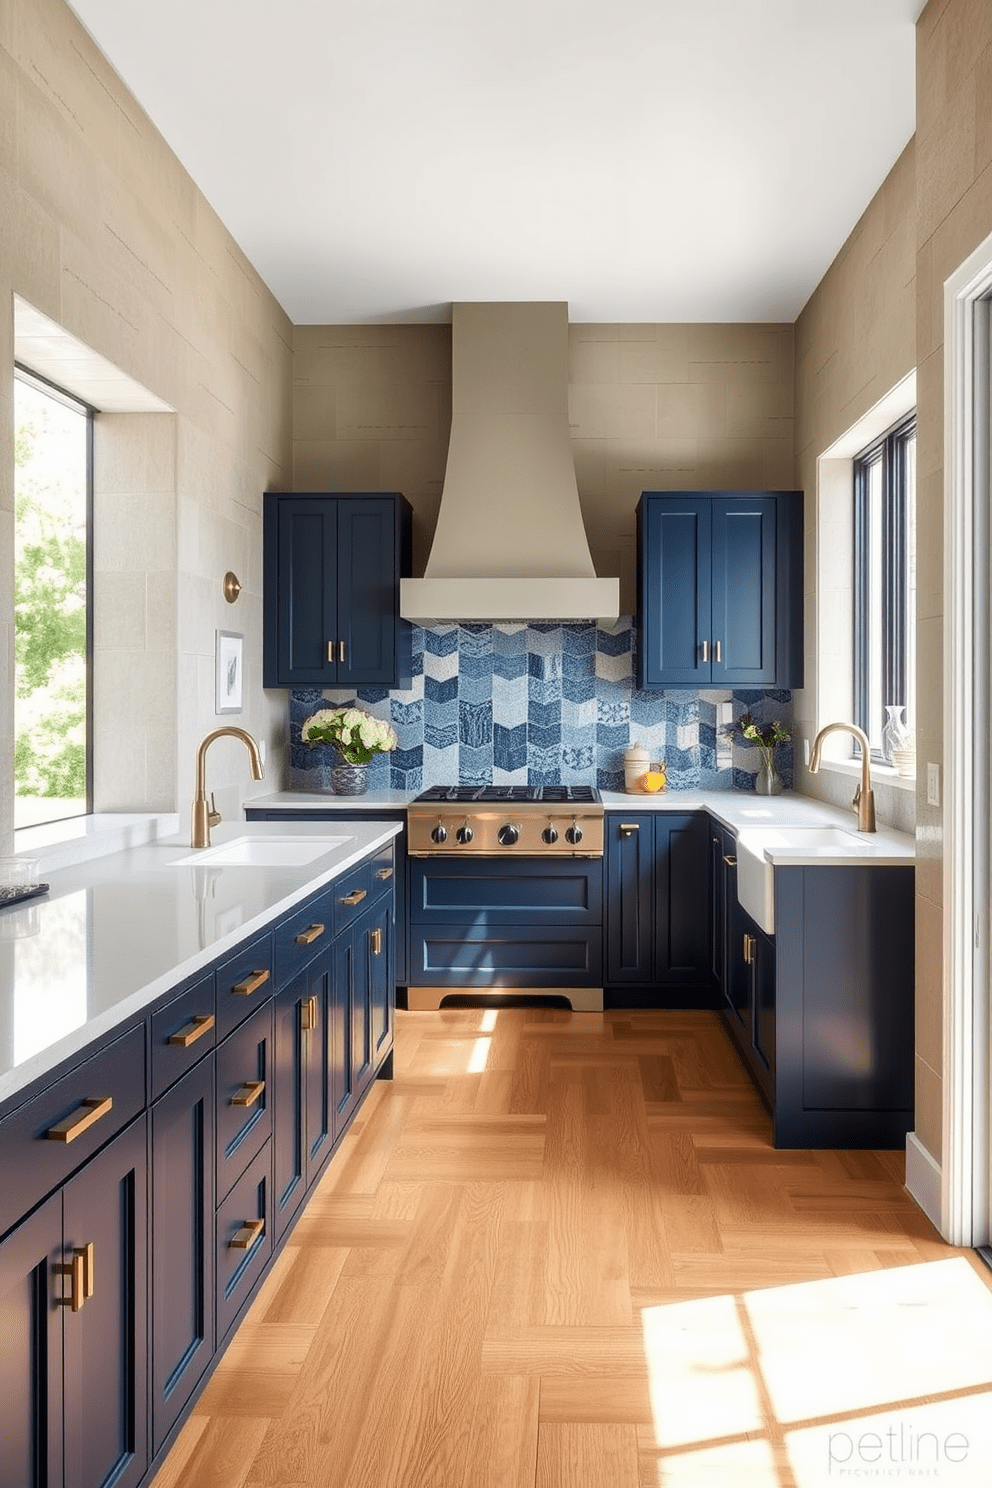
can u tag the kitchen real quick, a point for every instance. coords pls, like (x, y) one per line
(158, 288)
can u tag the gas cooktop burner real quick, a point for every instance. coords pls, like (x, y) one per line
(571, 794)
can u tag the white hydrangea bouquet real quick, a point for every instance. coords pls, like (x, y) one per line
(357, 736)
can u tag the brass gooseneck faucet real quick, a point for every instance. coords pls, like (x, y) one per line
(206, 816)
(864, 796)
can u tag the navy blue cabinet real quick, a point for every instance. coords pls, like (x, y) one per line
(657, 919)
(31, 1355)
(332, 566)
(720, 589)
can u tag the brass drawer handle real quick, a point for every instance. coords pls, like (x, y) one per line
(341, 650)
(730, 860)
(330, 650)
(86, 1114)
(750, 946)
(718, 652)
(201, 1024)
(250, 1231)
(382, 874)
(355, 897)
(375, 938)
(628, 827)
(308, 936)
(705, 650)
(308, 1014)
(80, 1273)
(250, 984)
(249, 1093)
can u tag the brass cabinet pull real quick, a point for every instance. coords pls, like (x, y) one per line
(86, 1114)
(628, 827)
(376, 941)
(330, 650)
(355, 897)
(308, 1013)
(80, 1273)
(717, 652)
(249, 1093)
(250, 1231)
(308, 936)
(383, 874)
(750, 946)
(730, 860)
(340, 650)
(251, 983)
(706, 651)
(201, 1024)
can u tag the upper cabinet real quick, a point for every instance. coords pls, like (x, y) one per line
(332, 569)
(720, 589)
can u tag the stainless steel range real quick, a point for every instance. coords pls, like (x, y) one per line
(502, 820)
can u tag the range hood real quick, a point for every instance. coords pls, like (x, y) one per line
(509, 542)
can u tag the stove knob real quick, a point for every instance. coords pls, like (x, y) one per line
(573, 834)
(508, 835)
(464, 834)
(439, 833)
(550, 835)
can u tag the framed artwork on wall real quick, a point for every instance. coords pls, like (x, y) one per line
(228, 671)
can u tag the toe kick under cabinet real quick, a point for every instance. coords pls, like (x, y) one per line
(148, 1187)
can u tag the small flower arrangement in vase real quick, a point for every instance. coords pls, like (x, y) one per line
(768, 781)
(357, 737)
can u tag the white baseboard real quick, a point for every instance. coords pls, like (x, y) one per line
(923, 1178)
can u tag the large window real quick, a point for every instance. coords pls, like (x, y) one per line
(52, 627)
(885, 581)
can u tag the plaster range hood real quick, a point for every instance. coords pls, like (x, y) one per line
(509, 542)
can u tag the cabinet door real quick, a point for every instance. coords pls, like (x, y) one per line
(630, 897)
(763, 1007)
(317, 1056)
(31, 1351)
(681, 902)
(743, 592)
(344, 1089)
(301, 595)
(674, 591)
(289, 1076)
(368, 590)
(105, 1342)
(718, 902)
(736, 978)
(381, 981)
(182, 1244)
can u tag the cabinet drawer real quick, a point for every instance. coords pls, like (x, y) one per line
(302, 936)
(352, 895)
(50, 1136)
(242, 983)
(383, 869)
(244, 1238)
(244, 1096)
(182, 1032)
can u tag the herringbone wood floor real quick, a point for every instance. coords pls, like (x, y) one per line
(464, 1302)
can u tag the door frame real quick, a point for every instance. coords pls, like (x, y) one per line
(965, 1149)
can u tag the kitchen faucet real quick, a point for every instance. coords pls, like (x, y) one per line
(204, 816)
(864, 796)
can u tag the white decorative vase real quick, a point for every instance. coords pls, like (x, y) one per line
(898, 744)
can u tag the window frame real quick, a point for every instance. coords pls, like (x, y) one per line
(889, 451)
(78, 405)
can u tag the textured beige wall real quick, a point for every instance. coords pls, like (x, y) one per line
(651, 407)
(855, 340)
(103, 231)
(954, 206)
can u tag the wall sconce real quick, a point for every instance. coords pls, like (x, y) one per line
(232, 586)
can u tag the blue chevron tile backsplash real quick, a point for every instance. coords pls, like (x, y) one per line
(544, 705)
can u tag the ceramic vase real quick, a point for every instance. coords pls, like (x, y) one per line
(349, 780)
(898, 744)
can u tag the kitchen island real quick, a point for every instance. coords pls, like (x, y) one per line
(186, 1039)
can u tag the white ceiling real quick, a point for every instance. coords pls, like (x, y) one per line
(645, 160)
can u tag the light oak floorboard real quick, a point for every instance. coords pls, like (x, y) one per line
(469, 1298)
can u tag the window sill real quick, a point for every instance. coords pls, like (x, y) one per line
(880, 774)
(63, 844)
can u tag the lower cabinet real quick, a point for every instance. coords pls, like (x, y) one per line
(73, 1297)
(657, 909)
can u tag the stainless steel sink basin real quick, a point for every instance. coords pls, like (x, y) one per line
(756, 872)
(262, 852)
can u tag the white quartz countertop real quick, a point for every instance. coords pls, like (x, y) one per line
(115, 933)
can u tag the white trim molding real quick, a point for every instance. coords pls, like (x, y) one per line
(964, 1209)
(923, 1179)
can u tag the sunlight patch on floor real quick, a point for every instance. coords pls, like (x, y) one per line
(838, 1377)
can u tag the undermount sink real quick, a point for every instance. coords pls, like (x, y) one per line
(756, 871)
(262, 852)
